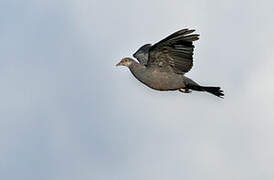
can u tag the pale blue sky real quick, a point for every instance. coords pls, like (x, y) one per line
(66, 112)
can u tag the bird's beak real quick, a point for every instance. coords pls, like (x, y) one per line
(119, 64)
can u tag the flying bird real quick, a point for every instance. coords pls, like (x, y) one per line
(162, 66)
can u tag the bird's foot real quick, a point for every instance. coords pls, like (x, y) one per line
(184, 90)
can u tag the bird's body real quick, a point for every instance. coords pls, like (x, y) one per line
(156, 78)
(163, 65)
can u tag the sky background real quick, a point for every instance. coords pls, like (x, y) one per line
(66, 112)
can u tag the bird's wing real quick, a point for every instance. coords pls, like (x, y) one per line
(142, 54)
(175, 52)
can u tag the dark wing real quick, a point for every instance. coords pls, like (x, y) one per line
(142, 54)
(175, 52)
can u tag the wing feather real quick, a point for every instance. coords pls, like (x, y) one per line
(174, 51)
(142, 54)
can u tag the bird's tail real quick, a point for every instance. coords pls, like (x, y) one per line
(213, 90)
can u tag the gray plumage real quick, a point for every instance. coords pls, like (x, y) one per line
(142, 54)
(162, 66)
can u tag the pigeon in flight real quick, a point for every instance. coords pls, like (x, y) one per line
(162, 66)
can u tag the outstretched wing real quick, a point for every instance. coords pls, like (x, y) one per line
(142, 54)
(174, 52)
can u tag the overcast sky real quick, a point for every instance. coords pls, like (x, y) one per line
(66, 112)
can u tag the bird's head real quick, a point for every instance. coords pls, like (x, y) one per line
(125, 62)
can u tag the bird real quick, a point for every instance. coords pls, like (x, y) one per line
(163, 65)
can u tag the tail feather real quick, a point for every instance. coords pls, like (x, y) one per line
(213, 90)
